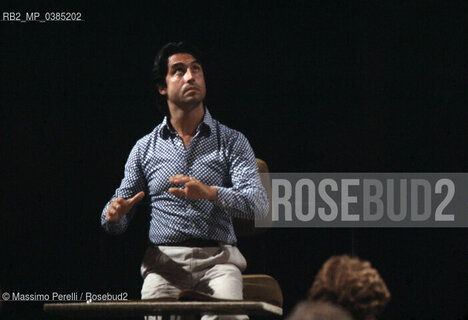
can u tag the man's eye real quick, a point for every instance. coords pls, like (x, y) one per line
(179, 70)
(196, 68)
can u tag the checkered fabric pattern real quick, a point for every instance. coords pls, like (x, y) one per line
(218, 156)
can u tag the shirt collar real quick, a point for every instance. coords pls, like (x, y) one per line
(205, 127)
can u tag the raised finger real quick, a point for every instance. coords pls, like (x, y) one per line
(136, 198)
(177, 192)
(177, 176)
(179, 179)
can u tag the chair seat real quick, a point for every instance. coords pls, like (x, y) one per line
(262, 287)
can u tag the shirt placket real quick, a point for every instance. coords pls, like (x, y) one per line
(185, 156)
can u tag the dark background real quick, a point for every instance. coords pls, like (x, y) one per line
(316, 87)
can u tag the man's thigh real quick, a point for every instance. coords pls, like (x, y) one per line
(223, 281)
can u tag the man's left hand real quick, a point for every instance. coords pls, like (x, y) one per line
(194, 188)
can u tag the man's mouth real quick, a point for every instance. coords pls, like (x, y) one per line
(191, 89)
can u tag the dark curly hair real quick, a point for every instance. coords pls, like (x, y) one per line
(160, 67)
(353, 284)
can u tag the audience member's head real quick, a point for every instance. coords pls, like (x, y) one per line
(353, 284)
(309, 310)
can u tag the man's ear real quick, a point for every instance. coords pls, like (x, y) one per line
(162, 90)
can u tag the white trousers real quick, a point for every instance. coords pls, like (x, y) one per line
(167, 270)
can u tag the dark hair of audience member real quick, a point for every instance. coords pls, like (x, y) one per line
(353, 284)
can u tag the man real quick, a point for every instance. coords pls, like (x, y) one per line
(198, 174)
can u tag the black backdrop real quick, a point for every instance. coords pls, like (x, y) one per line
(316, 87)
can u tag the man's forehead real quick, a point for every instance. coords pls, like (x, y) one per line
(185, 58)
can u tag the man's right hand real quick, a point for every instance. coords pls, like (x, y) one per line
(120, 207)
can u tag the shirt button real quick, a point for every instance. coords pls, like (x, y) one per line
(189, 205)
(193, 225)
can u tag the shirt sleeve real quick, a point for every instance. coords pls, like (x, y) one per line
(247, 197)
(133, 182)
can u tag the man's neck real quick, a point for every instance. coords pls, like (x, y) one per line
(186, 120)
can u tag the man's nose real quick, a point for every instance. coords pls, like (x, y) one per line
(188, 75)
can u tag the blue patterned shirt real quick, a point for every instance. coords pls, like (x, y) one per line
(217, 156)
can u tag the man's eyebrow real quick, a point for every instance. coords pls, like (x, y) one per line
(178, 64)
(181, 64)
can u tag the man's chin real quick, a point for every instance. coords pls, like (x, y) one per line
(191, 104)
(195, 98)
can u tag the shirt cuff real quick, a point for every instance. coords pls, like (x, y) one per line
(116, 227)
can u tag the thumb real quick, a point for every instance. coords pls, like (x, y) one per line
(137, 198)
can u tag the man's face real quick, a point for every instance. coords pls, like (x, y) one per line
(185, 82)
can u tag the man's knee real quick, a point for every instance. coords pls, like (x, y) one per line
(222, 281)
(155, 286)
